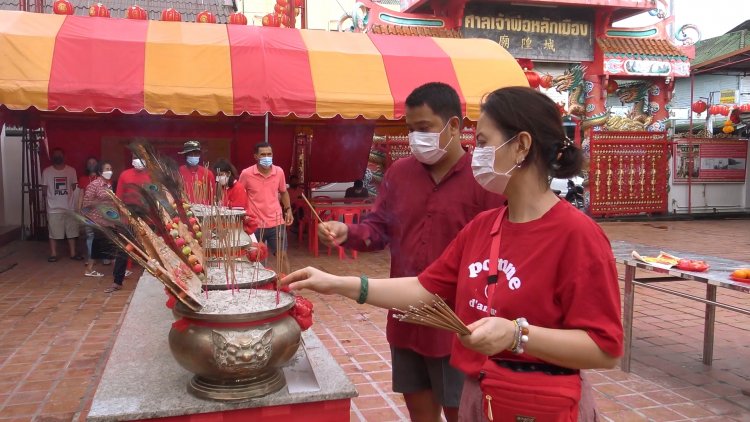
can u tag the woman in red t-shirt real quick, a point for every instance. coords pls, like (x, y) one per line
(232, 194)
(548, 307)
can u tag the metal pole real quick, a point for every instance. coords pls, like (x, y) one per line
(266, 134)
(708, 325)
(690, 144)
(627, 315)
(23, 182)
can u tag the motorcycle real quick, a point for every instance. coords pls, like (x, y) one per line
(575, 195)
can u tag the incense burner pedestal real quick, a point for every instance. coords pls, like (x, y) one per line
(236, 356)
(142, 380)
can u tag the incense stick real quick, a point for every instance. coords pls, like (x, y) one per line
(437, 315)
(312, 208)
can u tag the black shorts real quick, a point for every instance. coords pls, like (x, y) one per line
(413, 373)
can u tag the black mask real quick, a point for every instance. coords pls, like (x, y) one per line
(91, 169)
(57, 159)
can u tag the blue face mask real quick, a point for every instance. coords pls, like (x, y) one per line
(193, 161)
(266, 161)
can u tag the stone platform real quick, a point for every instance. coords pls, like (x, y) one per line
(142, 381)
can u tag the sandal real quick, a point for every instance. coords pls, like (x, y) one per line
(52, 259)
(77, 258)
(93, 273)
(128, 273)
(113, 288)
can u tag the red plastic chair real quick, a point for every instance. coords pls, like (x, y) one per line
(313, 225)
(349, 216)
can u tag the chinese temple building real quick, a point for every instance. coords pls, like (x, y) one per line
(572, 51)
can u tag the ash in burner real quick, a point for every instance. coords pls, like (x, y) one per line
(244, 273)
(227, 302)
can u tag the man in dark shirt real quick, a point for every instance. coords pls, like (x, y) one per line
(422, 204)
(357, 191)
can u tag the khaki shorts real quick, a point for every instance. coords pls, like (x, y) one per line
(61, 226)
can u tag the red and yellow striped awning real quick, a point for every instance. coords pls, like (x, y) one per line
(77, 63)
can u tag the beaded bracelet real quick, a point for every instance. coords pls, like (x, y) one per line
(522, 335)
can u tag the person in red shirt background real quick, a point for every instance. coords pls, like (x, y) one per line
(268, 201)
(198, 180)
(135, 176)
(422, 204)
(90, 174)
(531, 314)
(231, 193)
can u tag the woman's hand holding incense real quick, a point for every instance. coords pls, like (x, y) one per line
(333, 233)
(489, 336)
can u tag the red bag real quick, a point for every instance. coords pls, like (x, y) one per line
(510, 396)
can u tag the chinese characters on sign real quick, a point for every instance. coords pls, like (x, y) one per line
(559, 34)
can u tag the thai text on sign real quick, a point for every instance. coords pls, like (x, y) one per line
(527, 32)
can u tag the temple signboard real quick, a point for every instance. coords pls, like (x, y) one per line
(558, 34)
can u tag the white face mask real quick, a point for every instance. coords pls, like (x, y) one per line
(107, 174)
(426, 146)
(483, 167)
(138, 164)
(222, 180)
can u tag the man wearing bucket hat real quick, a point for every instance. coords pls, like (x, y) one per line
(198, 180)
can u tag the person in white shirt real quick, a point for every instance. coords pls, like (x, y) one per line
(60, 181)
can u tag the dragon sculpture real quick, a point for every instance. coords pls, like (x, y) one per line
(573, 82)
(639, 117)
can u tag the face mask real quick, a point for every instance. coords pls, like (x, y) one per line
(193, 160)
(107, 174)
(57, 159)
(138, 164)
(222, 180)
(91, 168)
(483, 167)
(266, 161)
(426, 146)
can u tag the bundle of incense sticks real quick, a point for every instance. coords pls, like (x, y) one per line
(437, 315)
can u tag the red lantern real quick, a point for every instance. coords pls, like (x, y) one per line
(171, 15)
(282, 2)
(745, 108)
(724, 110)
(136, 12)
(714, 109)
(299, 4)
(533, 78)
(205, 17)
(99, 10)
(734, 116)
(281, 10)
(699, 106)
(284, 20)
(526, 64)
(62, 7)
(612, 86)
(237, 19)
(271, 20)
(546, 81)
